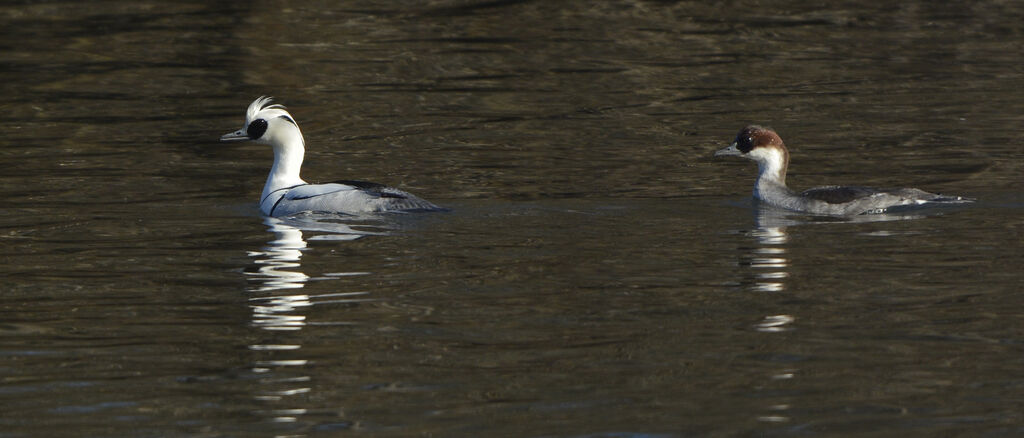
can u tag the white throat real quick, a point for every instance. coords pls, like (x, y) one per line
(771, 164)
(771, 172)
(289, 149)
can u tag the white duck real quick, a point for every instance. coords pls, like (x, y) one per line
(285, 193)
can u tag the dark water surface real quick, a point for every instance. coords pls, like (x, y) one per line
(599, 274)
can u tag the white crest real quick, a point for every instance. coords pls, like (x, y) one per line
(263, 104)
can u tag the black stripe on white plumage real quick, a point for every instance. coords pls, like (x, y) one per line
(285, 193)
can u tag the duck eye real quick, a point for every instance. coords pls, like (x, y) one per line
(256, 129)
(744, 143)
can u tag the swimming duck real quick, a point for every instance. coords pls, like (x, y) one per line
(765, 147)
(285, 193)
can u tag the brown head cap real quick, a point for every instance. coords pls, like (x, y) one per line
(754, 136)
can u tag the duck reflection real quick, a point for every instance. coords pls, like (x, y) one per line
(769, 263)
(279, 268)
(279, 262)
(767, 259)
(278, 306)
(279, 257)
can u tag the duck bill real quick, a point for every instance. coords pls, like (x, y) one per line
(732, 150)
(238, 135)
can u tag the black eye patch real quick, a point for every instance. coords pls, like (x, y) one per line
(744, 143)
(256, 128)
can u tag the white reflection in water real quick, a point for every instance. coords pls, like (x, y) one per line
(769, 263)
(279, 306)
(775, 323)
(279, 261)
(768, 258)
(280, 269)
